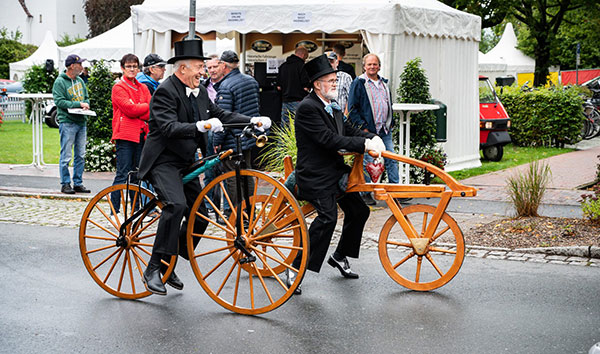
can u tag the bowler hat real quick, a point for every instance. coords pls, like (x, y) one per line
(188, 49)
(318, 67)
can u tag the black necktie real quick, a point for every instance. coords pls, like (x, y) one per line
(193, 103)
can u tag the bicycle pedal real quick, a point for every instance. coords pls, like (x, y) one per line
(247, 259)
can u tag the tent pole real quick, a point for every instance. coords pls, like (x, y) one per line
(192, 32)
(243, 50)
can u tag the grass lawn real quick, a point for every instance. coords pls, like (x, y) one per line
(16, 146)
(513, 156)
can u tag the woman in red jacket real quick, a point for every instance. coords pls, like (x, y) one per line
(131, 109)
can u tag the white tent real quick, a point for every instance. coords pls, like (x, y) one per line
(397, 30)
(110, 45)
(47, 50)
(505, 59)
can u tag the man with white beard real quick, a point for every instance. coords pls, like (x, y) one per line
(321, 174)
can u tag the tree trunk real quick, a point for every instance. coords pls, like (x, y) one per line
(542, 61)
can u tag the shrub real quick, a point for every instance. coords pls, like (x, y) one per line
(11, 50)
(38, 80)
(100, 152)
(526, 190)
(590, 205)
(414, 88)
(543, 117)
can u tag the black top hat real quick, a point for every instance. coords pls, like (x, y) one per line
(318, 67)
(188, 49)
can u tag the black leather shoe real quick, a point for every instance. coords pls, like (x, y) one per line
(81, 189)
(368, 199)
(289, 280)
(66, 189)
(343, 266)
(174, 281)
(153, 282)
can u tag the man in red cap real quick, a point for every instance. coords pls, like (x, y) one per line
(320, 133)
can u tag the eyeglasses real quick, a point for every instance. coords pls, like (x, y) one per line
(330, 81)
(131, 67)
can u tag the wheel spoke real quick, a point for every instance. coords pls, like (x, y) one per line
(112, 211)
(418, 275)
(101, 249)
(113, 265)
(397, 243)
(146, 236)
(231, 204)
(424, 226)
(237, 283)
(213, 251)
(143, 228)
(219, 264)
(262, 281)
(435, 237)
(127, 257)
(276, 233)
(409, 256)
(253, 222)
(106, 259)
(138, 257)
(442, 250)
(105, 229)
(274, 259)
(279, 214)
(268, 244)
(122, 272)
(264, 261)
(112, 239)
(430, 259)
(231, 228)
(226, 278)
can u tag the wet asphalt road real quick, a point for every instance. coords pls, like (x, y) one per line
(51, 305)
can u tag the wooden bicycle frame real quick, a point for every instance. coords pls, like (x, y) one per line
(389, 192)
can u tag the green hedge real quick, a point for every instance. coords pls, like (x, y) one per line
(544, 117)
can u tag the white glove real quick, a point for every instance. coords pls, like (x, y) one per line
(265, 123)
(375, 144)
(213, 124)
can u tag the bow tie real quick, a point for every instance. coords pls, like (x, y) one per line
(189, 91)
(330, 107)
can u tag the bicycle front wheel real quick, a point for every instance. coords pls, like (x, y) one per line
(273, 233)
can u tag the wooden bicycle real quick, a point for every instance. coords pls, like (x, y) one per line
(240, 261)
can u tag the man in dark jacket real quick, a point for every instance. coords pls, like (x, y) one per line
(153, 72)
(293, 82)
(320, 133)
(179, 114)
(236, 92)
(340, 51)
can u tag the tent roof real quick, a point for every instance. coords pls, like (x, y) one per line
(110, 45)
(47, 50)
(506, 52)
(417, 17)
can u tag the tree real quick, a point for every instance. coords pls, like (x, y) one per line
(492, 12)
(11, 50)
(103, 15)
(579, 26)
(67, 40)
(543, 19)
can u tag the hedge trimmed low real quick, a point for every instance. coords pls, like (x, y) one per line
(544, 117)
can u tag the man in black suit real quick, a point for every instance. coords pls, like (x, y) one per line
(320, 133)
(180, 110)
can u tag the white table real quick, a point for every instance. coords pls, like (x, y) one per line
(404, 136)
(37, 120)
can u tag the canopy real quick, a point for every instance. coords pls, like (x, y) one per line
(110, 45)
(418, 17)
(47, 50)
(396, 30)
(505, 58)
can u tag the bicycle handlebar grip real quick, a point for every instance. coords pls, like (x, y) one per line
(207, 126)
(225, 154)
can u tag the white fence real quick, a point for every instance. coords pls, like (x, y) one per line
(13, 108)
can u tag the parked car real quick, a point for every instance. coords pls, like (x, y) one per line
(10, 86)
(493, 122)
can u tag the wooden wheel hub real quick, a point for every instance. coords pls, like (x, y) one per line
(419, 245)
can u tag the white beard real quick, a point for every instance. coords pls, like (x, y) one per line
(332, 94)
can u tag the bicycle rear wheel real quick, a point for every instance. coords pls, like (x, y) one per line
(274, 231)
(117, 265)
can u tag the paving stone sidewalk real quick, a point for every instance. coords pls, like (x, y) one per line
(67, 213)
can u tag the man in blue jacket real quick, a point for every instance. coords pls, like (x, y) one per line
(370, 108)
(238, 93)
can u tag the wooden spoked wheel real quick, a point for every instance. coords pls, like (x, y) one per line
(421, 264)
(274, 231)
(118, 265)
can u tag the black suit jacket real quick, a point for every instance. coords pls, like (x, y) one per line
(318, 138)
(173, 125)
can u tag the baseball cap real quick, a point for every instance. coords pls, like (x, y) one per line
(72, 59)
(332, 56)
(153, 59)
(229, 56)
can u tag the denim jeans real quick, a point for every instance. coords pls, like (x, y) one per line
(128, 159)
(72, 136)
(287, 109)
(391, 166)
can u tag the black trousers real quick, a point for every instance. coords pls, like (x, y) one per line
(178, 200)
(356, 213)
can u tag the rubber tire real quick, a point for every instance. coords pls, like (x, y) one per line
(51, 121)
(493, 152)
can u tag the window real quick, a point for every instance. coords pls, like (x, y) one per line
(40, 18)
(74, 19)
